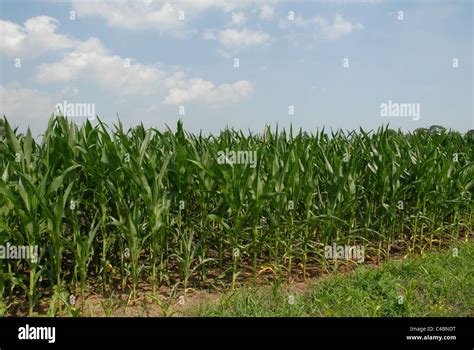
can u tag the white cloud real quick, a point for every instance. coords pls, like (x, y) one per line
(239, 18)
(267, 12)
(236, 39)
(322, 27)
(91, 61)
(20, 103)
(341, 2)
(184, 90)
(69, 91)
(156, 14)
(36, 36)
(201, 5)
(162, 15)
(136, 15)
(338, 28)
(298, 22)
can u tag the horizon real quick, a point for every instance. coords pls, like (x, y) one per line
(272, 128)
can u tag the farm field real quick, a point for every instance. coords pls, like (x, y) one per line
(114, 210)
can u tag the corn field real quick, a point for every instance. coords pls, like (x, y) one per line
(111, 207)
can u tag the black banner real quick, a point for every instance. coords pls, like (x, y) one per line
(446, 333)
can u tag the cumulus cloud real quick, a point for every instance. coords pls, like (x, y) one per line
(162, 15)
(323, 28)
(92, 62)
(266, 12)
(36, 36)
(239, 18)
(342, 2)
(184, 90)
(18, 102)
(243, 38)
(237, 39)
(135, 15)
(69, 91)
(338, 28)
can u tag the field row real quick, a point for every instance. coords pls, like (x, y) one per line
(165, 207)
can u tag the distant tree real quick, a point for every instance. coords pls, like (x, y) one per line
(470, 133)
(437, 129)
(419, 131)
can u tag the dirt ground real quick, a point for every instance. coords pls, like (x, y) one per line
(168, 301)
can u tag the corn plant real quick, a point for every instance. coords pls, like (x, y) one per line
(147, 206)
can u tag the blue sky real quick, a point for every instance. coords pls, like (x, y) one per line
(291, 53)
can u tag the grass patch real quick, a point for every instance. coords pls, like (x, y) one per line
(434, 284)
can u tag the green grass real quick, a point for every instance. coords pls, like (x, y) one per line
(435, 284)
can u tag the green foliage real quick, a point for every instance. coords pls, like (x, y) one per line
(145, 205)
